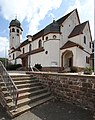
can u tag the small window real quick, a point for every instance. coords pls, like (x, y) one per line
(42, 37)
(17, 30)
(90, 44)
(46, 52)
(30, 47)
(13, 30)
(84, 39)
(39, 44)
(12, 37)
(23, 51)
(46, 38)
(17, 34)
(13, 56)
(54, 37)
(10, 56)
(87, 59)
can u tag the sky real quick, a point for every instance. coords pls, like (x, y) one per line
(34, 15)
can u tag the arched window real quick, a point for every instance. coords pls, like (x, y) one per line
(84, 39)
(13, 56)
(90, 44)
(13, 30)
(54, 36)
(17, 30)
(30, 47)
(23, 51)
(46, 38)
(40, 44)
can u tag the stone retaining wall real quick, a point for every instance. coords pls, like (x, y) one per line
(77, 89)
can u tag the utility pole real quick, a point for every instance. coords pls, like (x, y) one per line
(94, 40)
(94, 56)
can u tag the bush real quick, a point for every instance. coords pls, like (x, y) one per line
(74, 69)
(38, 66)
(13, 66)
(88, 70)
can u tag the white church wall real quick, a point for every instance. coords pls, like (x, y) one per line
(77, 39)
(49, 57)
(51, 35)
(81, 58)
(18, 61)
(52, 56)
(36, 59)
(67, 27)
(80, 39)
(35, 43)
(73, 49)
(88, 39)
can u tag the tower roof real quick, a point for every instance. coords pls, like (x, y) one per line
(16, 23)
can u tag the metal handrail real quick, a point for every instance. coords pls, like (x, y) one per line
(34, 68)
(10, 85)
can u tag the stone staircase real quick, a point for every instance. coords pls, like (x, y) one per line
(31, 94)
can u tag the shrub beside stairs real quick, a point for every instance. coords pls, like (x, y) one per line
(31, 93)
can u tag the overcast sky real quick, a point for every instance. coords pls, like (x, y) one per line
(34, 15)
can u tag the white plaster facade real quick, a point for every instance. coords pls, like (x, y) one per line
(58, 44)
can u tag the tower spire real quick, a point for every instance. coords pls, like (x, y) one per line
(16, 16)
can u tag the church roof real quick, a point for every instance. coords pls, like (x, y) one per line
(69, 44)
(62, 19)
(24, 43)
(78, 30)
(53, 27)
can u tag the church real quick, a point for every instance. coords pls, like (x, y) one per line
(60, 46)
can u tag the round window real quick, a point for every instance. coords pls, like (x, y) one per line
(46, 52)
(54, 36)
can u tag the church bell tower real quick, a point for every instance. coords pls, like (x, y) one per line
(15, 34)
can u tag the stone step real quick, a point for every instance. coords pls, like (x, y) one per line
(26, 94)
(21, 110)
(31, 82)
(32, 93)
(20, 75)
(25, 85)
(21, 78)
(28, 89)
(26, 101)
(25, 81)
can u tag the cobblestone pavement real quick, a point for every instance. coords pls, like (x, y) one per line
(54, 110)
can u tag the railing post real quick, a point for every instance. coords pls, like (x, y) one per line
(10, 85)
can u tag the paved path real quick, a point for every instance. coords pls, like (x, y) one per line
(61, 111)
(54, 110)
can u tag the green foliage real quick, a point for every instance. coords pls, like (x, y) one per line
(87, 70)
(38, 66)
(74, 69)
(13, 67)
(4, 61)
